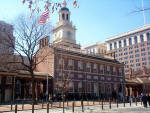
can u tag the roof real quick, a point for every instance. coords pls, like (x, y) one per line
(64, 9)
(87, 55)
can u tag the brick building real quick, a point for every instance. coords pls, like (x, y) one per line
(75, 72)
(138, 82)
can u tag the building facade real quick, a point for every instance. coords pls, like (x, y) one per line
(76, 73)
(132, 48)
(138, 82)
(6, 36)
(96, 48)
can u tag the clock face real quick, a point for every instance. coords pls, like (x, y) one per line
(69, 34)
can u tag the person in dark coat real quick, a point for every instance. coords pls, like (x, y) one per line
(148, 99)
(144, 99)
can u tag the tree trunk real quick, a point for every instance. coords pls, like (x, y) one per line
(33, 91)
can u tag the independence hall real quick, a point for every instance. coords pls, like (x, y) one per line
(75, 72)
(67, 69)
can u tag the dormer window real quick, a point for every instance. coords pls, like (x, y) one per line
(63, 16)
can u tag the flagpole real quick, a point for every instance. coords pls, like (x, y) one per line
(143, 12)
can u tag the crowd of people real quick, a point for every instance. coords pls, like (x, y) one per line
(146, 99)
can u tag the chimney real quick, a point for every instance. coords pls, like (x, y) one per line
(130, 73)
(44, 42)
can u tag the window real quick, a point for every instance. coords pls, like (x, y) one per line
(126, 53)
(144, 63)
(137, 55)
(130, 41)
(60, 61)
(63, 16)
(143, 54)
(130, 52)
(130, 48)
(80, 86)
(137, 60)
(148, 43)
(131, 61)
(115, 45)
(131, 56)
(71, 86)
(102, 78)
(80, 76)
(120, 44)
(88, 87)
(102, 69)
(108, 68)
(88, 77)
(95, 66)
(120, 50)
(137, 50)
(70, 63)
(125, 42)
(114, 69)
(142, 38)
(143, 59)
(148, 36)
(136, 46)
(143, 49)
(110, 46)
(71, 75)
(95, 77)
(67, 17)
(148, 48)
(149, 53)
(142, 45)
(88, 65)
(80, 64)
(135, 40)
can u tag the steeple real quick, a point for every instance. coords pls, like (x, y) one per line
(64, 31)
(64, 3)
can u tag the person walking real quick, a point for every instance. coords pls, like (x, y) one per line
(144, 99)
(148, 99)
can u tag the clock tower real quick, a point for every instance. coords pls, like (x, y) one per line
(64, 31)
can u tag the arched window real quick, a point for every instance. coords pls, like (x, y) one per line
(67, 17)
(130, 41)
(63, 16)
(135, 39)
(142, 38)
(148, 36)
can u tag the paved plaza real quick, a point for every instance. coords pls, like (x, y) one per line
(95, 109)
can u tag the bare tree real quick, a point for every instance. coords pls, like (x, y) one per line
(27, 34)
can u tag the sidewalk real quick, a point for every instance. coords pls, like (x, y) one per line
(88, 109)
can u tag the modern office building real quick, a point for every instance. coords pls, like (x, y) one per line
(132, 48)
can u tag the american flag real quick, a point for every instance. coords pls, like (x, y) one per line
(44, 17)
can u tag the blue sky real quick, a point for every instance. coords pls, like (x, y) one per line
(95, 20)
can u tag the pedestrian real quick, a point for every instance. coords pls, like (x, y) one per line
(148, 99)
(144, 99)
